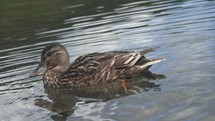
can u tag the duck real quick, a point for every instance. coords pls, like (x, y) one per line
(89, 69)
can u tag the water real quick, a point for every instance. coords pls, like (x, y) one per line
(178, 89)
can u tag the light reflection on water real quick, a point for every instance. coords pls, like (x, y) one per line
(182, 31)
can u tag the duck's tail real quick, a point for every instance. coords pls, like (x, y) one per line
(138, 69)
(150, 63)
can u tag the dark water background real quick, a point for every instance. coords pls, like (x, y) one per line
(181, 88)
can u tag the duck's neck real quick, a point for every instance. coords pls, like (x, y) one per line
(52, 77)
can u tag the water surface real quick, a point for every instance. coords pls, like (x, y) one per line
(179, 88)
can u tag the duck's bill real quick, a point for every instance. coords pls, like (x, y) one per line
(38, 71)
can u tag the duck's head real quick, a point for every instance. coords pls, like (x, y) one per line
(54, 58)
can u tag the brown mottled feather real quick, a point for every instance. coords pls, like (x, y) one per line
(92, 68)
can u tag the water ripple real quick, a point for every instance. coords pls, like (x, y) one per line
(182, 32)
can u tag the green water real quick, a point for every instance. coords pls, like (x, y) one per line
(181, 88)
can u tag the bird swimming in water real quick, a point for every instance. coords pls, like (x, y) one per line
(89, 69)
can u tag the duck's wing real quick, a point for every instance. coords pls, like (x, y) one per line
(100, 67)
(116, 59)
(90, 69)
(126, 59)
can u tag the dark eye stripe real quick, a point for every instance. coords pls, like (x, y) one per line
(48, 54)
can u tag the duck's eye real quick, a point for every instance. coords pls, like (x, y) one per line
(49, 65)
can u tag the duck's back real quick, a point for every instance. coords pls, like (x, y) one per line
(96, 68)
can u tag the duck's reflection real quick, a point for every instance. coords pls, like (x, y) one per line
(63, 101)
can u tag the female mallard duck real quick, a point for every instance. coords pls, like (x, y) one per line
(89, 69)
